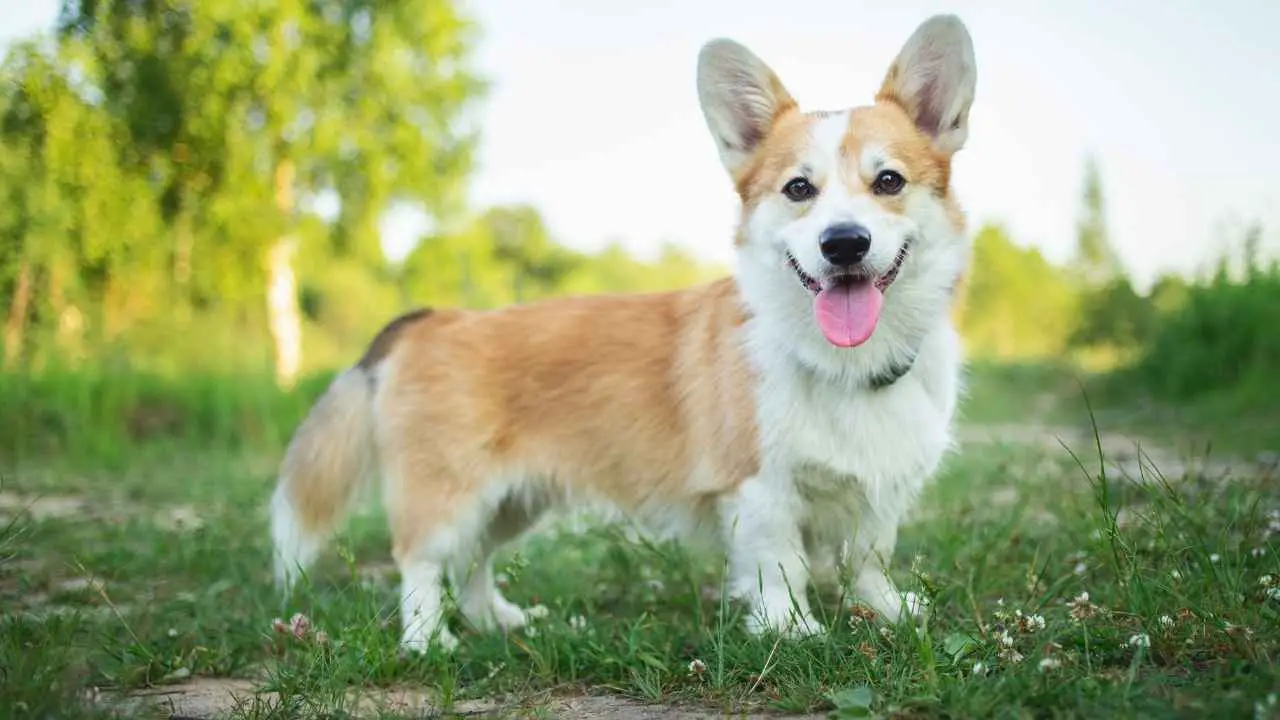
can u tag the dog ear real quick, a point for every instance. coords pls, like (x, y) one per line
(741, 99)
(933, 79)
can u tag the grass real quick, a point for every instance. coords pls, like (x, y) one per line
(1242, 419)
(164, 577)
(1238, 418)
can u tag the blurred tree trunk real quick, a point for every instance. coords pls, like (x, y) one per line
(185, 236)
(282, 286)
(15, 326)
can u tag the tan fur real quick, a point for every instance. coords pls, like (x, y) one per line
(775, 156)
(330, 454)
(624, 396)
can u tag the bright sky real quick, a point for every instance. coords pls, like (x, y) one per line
(594, 119)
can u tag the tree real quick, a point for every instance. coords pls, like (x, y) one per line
(520, 240)
(67, 202)
(238, 110)
(1017, 304)
(1114, 316)
(1095, 259)
(1168, 294)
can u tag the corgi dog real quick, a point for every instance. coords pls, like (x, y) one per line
(795, 409)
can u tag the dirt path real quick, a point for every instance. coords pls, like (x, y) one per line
(208, 698)
(1127, 455)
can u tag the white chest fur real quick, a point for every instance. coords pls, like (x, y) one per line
(847, 448)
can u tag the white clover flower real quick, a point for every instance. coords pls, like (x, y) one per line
(1263, 708)
(1141, 640)
(1030, 623)
(1266, 581)
(697, 667)
(578, 623)
(1166, 621)
(1050, 663)
(300, 625)
(1215, 557)
(1081, 609)
(1011, 655)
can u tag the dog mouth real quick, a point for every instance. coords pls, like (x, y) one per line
(847, 305)
(846, 277)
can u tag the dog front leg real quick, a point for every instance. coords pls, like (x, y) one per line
(768, 567)
(870, 553)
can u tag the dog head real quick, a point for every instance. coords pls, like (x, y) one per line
(848, 224)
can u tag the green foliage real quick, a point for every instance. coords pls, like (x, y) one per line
(1096, 259)
(153, 154)
(506, 255)
(1114, 315)
(1221, 338)
(1016, 304)
(107, 415)
(216, 97)
(616, 270)
(1111, 315)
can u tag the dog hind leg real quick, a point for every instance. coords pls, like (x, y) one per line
(478, 595)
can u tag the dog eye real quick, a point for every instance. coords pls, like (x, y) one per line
(799, 189)
(888, 182)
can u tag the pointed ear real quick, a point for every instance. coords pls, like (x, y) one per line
(933, 79)
(741, 99)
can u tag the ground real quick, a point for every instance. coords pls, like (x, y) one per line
(1142, 583)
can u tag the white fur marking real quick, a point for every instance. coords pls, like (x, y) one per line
(767, 561)
(828, 135)
(293, 548)
(422, 607)
(484, 605)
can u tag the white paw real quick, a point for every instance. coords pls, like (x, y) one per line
(878, 591)
(805, 626)
(917, 605)
(502, 614)
(420, 643)
(784, 620)
(505, 615)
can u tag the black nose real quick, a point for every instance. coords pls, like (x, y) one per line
(845, 244)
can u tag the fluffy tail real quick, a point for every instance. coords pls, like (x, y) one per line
(329, 459)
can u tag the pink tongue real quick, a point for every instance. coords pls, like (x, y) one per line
(847, 313)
